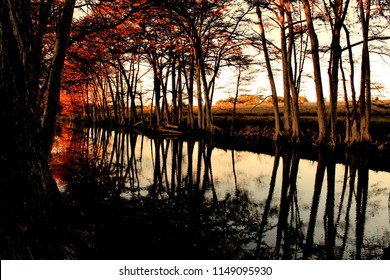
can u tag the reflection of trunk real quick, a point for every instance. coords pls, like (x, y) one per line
(330, 231)
(361, 205)
(282, 229)
(174, 168)
(315, 204)
(179, 166)
(114, 148)
(352, 176)
(344, 189)
(164, 169)
(234, 173)
(157, 178)
(119, 164)
(291, 161)
(208, 180)
(293, 202)
(268, 202)
(131, 161)
(201, 149)
(189, 180)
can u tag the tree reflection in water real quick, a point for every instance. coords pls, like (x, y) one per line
(173, 199)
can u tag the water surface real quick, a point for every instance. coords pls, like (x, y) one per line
(167, 198)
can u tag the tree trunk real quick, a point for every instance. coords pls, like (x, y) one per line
(333, 71)
(285, 66)
(174, 91)
(201, 124)
(190, 91)
(322, 133)
(365, 78)
(352, 120)
(335, 56)
(347, 108)
(156, 89)
(296, 129)
(235, 101)
(207, 104)
(29, 196)
(179, 92)
(269, 72)
(54, 87)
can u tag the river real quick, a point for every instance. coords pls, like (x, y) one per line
(171, 198)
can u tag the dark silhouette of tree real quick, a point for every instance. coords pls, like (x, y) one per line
(29, 196)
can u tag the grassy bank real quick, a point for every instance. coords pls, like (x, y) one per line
(252, 122)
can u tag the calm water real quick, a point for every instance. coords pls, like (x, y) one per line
(169, 198)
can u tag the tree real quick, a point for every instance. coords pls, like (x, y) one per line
(54, 82)
(364, 7)
(296, 129)
(322, 132)
(337, 13)
(29, 196)
(263, 39)
(209, 30)
(284, 16)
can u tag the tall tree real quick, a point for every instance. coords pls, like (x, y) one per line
(278, 131)
(209, 31)
(296, 129)
(28, 192)
(322, 132)
(364, 7)
(337, 13)
(54, 81)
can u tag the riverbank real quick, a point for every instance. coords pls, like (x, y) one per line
(255, 122)
(254, 131)
(253, 128)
